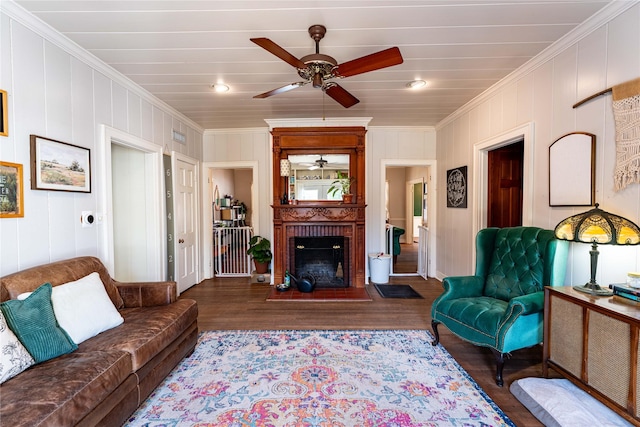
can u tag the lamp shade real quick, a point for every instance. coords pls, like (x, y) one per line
(598, 226)
(285, 167)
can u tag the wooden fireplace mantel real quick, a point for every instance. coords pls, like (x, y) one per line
(320, 218)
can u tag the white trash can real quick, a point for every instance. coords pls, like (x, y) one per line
(379, 267)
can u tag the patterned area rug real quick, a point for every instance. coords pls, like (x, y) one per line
(318, 378)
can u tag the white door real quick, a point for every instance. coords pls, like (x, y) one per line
(186, 224)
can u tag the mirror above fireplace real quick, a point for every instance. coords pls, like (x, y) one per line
(313, 174)
(315, 156)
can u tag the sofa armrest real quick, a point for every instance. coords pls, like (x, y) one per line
(147, 294)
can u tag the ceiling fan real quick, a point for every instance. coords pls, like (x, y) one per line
(320, 163)
(317, 164)
(319, 69)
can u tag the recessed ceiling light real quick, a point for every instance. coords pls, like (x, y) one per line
(220, 87)
(416, 84)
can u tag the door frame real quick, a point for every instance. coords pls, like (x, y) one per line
(431, 204)
(156, 226)
(175, 156)
(481, 174)
(207, 213)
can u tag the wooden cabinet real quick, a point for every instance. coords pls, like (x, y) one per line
(593, 341)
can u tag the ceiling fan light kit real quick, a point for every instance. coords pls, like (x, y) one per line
(318, 69)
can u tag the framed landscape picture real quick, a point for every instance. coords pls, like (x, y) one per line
(59, 166)
(11, 190)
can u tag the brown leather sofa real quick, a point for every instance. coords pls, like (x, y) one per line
(111, 374)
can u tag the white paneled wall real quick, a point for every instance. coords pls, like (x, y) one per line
(391, 146)
(402, 146)
(543, 94)
(56, 90)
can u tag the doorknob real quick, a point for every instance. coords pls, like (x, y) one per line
(180, 240)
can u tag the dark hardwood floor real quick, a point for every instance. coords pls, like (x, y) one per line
(407, 261)
(235, 303)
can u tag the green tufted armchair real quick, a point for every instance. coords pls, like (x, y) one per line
(501, 307)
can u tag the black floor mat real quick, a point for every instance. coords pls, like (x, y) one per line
(396, 291)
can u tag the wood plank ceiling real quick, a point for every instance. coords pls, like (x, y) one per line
(177, 49)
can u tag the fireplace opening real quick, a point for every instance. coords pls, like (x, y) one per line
(324, 258)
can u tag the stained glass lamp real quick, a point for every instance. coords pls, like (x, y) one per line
(597, 227)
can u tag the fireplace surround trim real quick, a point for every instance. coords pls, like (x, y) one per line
(350, 218)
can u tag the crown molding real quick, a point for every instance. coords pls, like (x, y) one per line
(266, 129)
(403, 128)
(258, 130)
(35, 24)
(319, 122)
(600, 18)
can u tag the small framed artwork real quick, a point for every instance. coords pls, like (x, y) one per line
(457, 187)
(11, 190)
(4, 114)
(572, 165)
(59, 166)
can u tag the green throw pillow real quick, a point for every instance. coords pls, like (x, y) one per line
(34, 323)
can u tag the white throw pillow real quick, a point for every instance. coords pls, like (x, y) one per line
(83, 308)
(14, 358)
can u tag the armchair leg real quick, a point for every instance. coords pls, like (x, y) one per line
(434, 326)
(499, 366)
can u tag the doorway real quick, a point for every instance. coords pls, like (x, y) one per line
(481, 151)
(416, 212)
(504, 195)
(411, 212)
(237, 179)
(131, 209)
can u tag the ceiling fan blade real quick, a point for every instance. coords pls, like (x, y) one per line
(375, 61)
(340, 95)
(281, 90)
(279, 52)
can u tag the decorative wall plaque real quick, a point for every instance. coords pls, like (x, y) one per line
(457, 187)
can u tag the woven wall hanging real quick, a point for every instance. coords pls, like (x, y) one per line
(626, 113)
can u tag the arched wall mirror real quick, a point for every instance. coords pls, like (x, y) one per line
(572, 165)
